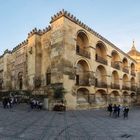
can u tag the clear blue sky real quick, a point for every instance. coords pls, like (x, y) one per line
(116, 20)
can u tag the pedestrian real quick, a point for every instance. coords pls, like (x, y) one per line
(110, 109)
(115, 111)
(118, 111)
(31, 103)
(4, 102)
(40, 105)
(125, 112)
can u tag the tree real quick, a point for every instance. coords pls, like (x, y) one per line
(59, 93)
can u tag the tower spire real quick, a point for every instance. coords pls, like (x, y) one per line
(133, 46)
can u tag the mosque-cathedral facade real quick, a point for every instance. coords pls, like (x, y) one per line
(92, 70)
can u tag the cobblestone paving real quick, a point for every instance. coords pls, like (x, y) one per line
(21, 123)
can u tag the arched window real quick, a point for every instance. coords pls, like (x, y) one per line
(101, 77)
(115, 61)
(133, 69)
(125, 65)
(126, 82)
(82, 73)
(115, 80)
(82, 44)
(101, 54)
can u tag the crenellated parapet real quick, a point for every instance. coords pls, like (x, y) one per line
(73, 19)
(46, 29)
(34, 31)
(78, 22)
(38, 31)
(1, 56)
(25, 42)
(7, 51)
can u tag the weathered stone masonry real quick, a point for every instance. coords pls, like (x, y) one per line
(93, 71)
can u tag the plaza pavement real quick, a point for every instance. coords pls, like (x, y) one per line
(21, 123)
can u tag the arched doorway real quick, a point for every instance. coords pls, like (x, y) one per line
(101, 77)
(126, 98)
(101, 98)
(82, 96)
(82, 73)
(20, 80)
(115, 80)
(115, 97)
(133, 98)
(133, 84)
(126, 82)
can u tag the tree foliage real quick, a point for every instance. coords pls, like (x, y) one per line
(59, 92)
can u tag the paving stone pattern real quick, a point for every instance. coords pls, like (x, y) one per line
(22, 123)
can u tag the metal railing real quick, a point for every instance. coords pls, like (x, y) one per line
(125, 87)
(115, 65)
(83, 82)
(125, 69)
(115, 86)
(133, 73)
(101, 59)
(133, 88)
(100, 84)
(85, 78)
(82, 52)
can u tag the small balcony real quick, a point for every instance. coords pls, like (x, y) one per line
(99, 84)
(82, 82)
(115, 86)
(133, 73)
(125, 87)
(82, 52)
(133, 88)
(101, 59)
(115, 65)
(125, 69)
(83, 79)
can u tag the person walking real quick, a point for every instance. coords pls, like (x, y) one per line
(114, 111)
(110, 109)
(126, 112)
(118, 111)
(4, 102)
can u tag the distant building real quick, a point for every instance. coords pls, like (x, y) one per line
(93, 71)
(136, 56)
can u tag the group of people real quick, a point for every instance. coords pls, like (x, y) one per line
(36, 104)
(8, 102)
(115, 110)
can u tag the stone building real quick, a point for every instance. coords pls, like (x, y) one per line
(68, 53)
